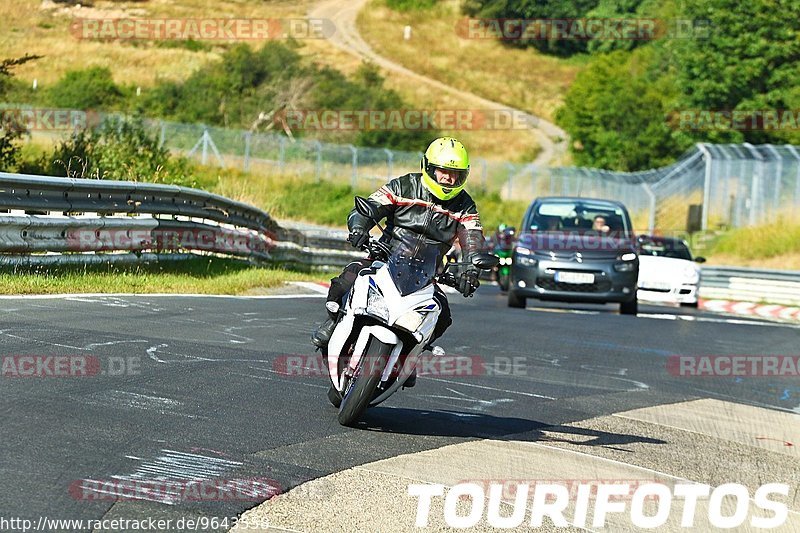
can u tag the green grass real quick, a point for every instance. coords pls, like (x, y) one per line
(769, 241)
(201, 275)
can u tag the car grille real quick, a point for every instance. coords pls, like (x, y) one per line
(549, 284)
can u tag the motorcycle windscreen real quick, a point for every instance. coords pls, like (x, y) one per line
(413, 264)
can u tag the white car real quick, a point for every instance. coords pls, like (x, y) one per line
(667, 271)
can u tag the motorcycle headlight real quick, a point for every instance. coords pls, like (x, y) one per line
(410, 321)
(376, 305)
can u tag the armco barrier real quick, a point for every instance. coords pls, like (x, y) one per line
(750, 285)
(84, 221)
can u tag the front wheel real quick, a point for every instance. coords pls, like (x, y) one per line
(503, 280)
(516, 301)
(360, 389)
(333, 397)
(629, 308)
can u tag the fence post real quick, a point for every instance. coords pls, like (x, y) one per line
(755, 189)
(318, 169)
(651, 219)
(204, 157)
(248, 136)
(706, 185)
(776, 197)
(796, 155)
(162, 136)
(510, 180)
(281, 153)
(389, 164)
(354, 179)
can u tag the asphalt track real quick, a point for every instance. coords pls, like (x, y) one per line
(208, 390)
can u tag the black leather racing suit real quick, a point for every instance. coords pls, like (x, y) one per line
(408, 206)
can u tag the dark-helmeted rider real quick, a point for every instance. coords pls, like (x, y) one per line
(431, 203)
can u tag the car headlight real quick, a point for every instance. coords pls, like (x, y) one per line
(630, 256)
(521, 250)
(690, 275)
(376, 305)
(410, 321)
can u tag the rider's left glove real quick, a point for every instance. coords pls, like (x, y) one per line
(358, 237)
(468, 283)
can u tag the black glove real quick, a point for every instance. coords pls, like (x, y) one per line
(468, 282)
(358, 237)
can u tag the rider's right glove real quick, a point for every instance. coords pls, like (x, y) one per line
(358, 237)
(468, 283)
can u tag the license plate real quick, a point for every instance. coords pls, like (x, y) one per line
(577, 278)
(656, 286)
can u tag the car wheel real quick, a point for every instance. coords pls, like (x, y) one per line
(693, 305)
(629, 308)
(516, 301)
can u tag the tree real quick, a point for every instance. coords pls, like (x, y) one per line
(92, 88)
(749, 61)
(615, 114)
(11, 130)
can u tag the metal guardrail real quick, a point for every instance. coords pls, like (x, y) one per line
(86, 221)
(751, 285)
(50, 221)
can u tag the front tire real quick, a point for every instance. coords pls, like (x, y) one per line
(360, 389)
(333, 397)
(629, 308)
(516, 301)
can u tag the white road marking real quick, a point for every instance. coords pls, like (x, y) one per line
(530, 394)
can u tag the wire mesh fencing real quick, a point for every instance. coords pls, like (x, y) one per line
(708, 187)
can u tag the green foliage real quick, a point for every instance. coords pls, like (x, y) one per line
(770, 240)
(536, 9)
(616, 117)
(93, 88)
(10, 129)
(410, 5)
(247, 84)
(118, 150)
(749, 62)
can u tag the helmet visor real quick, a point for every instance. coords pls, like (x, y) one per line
(454, 177)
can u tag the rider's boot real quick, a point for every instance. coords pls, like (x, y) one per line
(322, 335)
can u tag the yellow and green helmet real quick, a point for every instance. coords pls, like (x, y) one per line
(445, 153)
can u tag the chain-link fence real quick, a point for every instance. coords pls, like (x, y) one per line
(710, 186)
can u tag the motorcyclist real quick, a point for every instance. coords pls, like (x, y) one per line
(431, 203)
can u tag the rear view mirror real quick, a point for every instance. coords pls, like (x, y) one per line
(365, 208)
(485, 261)
(699, 259)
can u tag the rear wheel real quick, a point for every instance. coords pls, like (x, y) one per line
(629, 308)
(515, 300)
(360, 389)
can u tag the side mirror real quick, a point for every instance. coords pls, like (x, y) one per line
(485, 261)
(699, 259)
(365, 208)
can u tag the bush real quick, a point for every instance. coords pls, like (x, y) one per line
(118, 150)
(92, 88)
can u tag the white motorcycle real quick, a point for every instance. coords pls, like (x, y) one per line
(387, 320)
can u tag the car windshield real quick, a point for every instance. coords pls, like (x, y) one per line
(676, 250)
(413, 262)
(583, 217)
